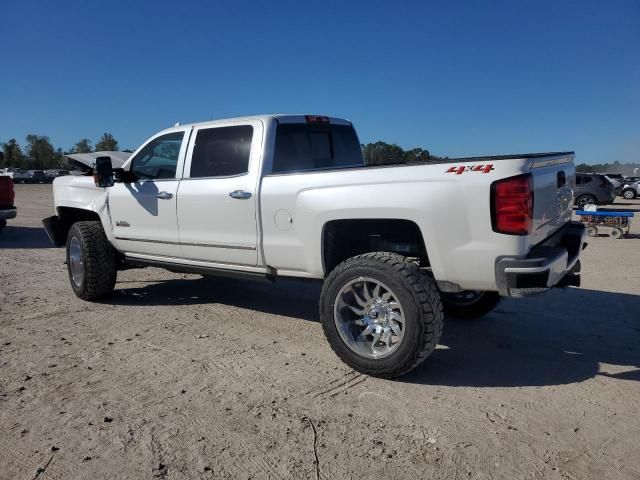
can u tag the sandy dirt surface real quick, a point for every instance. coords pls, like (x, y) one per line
(181, 377)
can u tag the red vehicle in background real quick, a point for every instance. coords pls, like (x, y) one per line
(7, 194)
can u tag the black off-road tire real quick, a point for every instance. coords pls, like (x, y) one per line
(486, 302)
(99, 261)
(420, 299)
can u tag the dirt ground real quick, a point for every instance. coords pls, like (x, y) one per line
(181, 377)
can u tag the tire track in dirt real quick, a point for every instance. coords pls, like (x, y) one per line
(337, 385)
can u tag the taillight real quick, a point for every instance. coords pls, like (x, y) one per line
(512, 205)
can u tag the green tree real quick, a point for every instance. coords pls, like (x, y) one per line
(417, 155)
(107, 143)
(13, 156)
(83, 146)
(41, 153)
(382, 153)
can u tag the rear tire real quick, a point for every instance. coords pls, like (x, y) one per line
(584, 200)
(617, 233)
(91, 261)
(464, 307)
(629, 194)
(386, 287)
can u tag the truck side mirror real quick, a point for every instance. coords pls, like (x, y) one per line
(103, 172)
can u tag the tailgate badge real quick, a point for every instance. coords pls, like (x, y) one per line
(481, 167)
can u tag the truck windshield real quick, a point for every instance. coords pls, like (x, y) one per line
(304, 147)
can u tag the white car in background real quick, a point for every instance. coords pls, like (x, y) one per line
(18, 175)
(631, 190)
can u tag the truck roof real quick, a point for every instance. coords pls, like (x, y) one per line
(279, 117)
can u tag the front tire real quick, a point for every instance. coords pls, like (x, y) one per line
(629, 194)
(381, 314)
(469, 305)
(91, 261)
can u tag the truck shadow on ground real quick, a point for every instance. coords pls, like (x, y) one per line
(558, 338)
(24, 237)
(289, 298)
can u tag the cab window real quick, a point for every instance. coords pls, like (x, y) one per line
(221, 152)
(159, 158)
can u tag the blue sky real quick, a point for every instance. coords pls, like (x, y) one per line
(459, 78)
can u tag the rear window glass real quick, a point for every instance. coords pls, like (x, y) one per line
(221, 152)
(301, 147)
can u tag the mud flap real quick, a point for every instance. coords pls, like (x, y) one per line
(55, 232)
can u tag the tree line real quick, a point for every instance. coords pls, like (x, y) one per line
(40, 154)
(381, 153)
(628, 169)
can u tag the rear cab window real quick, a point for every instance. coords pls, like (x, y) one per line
(305, 147)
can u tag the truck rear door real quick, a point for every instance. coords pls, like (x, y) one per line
(217, 198)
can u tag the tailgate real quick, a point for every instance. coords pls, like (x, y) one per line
(554, 179)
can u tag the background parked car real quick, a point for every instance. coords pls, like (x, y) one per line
(55, 173)
(18, 175)
(631, 189)
(617, 180)
(36, 176)
(593, 188)
(7, 209)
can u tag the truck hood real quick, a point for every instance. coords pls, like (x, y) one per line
(85, 161)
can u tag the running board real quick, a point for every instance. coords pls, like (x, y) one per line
(270, 276)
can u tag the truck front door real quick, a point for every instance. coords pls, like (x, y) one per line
(143, 212)
(217, 197)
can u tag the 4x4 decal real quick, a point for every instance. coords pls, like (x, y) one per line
(483, 168)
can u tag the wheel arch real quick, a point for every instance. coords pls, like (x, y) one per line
(346, 238)
(58, 226)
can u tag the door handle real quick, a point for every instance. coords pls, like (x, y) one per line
(240, 194)
(164, 196)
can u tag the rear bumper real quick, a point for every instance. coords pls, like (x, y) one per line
(554, 262)
(8, 213)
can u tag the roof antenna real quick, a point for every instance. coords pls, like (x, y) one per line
(177, 124)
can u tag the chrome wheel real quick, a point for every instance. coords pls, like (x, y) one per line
(369, 318)
(76, 261)
(628, 194)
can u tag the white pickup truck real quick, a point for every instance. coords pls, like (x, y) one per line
(291, 196)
